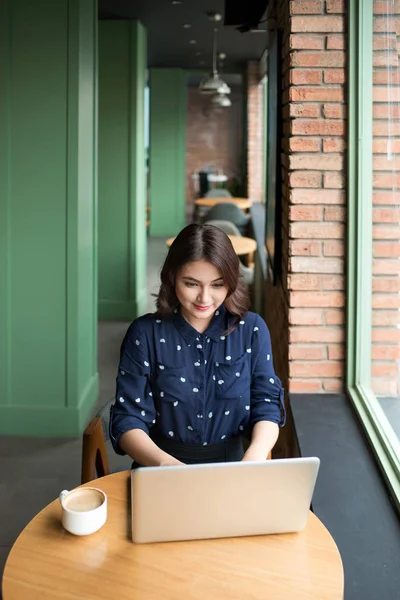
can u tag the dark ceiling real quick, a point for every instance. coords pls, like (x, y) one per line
(169, 41)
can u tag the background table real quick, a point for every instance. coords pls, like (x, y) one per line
(47, 563)
(241, 244)
(243, 203)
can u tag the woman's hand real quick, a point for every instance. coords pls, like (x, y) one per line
(263, 439)
(170, 461)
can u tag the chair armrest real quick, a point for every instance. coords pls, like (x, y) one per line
(94, 453)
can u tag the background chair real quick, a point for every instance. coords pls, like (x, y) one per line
(94, 451)
(228, 211)
(247, 273)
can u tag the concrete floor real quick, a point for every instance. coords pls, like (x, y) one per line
(33, 471)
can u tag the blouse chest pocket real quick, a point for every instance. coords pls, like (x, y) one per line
(171, 382)
(232, 380)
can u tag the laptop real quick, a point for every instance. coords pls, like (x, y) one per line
(221, 499)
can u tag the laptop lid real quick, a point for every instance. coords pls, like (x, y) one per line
(221, 499)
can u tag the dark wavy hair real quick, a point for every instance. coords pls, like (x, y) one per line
(203, 242)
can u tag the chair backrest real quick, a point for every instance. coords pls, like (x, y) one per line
(228, 211)
(94, 452)
(227, 226)
(218, 193)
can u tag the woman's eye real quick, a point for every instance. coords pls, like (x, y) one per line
(218, 285)
(190, 284)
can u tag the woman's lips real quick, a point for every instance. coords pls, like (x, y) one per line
(202, 307)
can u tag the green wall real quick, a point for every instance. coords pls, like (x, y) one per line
(48, 283)
(168, 102)
(122, 185)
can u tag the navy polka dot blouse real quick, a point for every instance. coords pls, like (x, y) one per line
(195, 388)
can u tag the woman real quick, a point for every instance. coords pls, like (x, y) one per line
(197, 373)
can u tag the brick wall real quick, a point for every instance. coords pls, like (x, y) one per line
(214, 136)
(255, 133)
(309, 302)
(386, 199)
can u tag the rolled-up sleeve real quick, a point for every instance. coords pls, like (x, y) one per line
(134, 406)
(267, 394)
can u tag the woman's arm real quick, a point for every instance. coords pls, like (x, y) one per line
(141, 448)
(263, 439)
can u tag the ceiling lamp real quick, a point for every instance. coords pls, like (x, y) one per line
(213, 84)
(221, 100)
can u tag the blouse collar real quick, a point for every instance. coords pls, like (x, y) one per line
(218, 324)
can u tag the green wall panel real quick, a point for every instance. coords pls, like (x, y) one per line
(122, 192)
(48, 371)
(168, 100)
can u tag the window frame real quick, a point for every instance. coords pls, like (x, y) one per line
(383, 440)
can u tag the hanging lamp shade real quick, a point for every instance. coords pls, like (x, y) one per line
(221, 100)
(213, 84)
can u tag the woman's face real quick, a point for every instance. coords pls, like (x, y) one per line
(200, 290)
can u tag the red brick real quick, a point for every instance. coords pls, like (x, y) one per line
(385, 128)
(306, 7)
(304, 180)
(385, 352)
(385, 301)
(385, 335)
(385, 76)
(385, 318)
(304, 282)
(333, 282)
(336, 352)
(382, 163)
(385, 387)
(334, 111)
(303, 196)
(386, 266)
(386, 215)
(297, 386)
(334, 248)
(306, 111)
(333, 385)
(385, 59)
(324, 162)
(317, 231)
(382, 146)
(386, 111)
(386, 180)
(335, 213)
(316, 300)
(387, 198)
(335, 317)
(310, 334)
(301, 316)
(307, 352)
(304, 144)
(300, 41)
(299, 264)
(335, 6)
(304, 248)
(385, 369)
(316, 94)
(328, 24)
(322, 369)
(334, 76)
(317, 59)
(384, 94)
(384, 42)
(334, 180)
(317, 127)
(335, 42)
(386, 232)
(385, 249)
(386, 285)
(382, 8)
(305, 76)
(384, 25)
(334, 145)
(305, 213)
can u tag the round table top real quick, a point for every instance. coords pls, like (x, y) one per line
(241, 244)
(243, 203)
(48, 563)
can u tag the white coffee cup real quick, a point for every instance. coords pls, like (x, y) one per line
(84, 510)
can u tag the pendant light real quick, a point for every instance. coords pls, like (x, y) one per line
(221, 100)
(213, 84)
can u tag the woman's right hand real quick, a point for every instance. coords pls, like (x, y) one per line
(170, 461)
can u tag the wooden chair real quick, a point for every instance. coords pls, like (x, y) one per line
(94, 451)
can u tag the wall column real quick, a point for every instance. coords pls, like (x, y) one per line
(168, 100)
(122, 171)
(48, 262)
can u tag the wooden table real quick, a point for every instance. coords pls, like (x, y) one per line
(47, 563)
(241, 244)
(243, 203)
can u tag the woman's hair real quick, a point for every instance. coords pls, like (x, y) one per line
(203, 242)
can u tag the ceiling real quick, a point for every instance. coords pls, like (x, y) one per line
(169, 41)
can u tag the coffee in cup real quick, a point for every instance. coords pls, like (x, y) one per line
(84, 510)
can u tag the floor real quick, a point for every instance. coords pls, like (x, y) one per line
(33, 471)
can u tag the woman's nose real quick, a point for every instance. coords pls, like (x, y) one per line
(204, 295)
